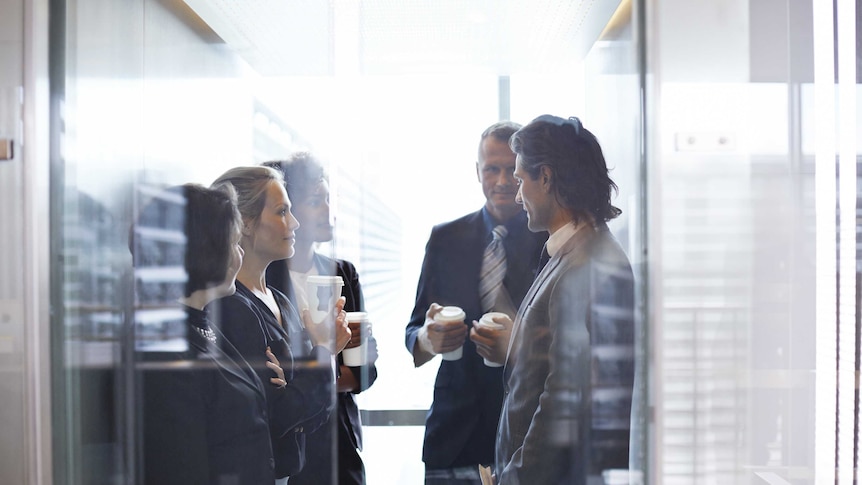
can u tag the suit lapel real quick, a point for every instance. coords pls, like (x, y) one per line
(575, 250)
(236, 365)
(538, 283)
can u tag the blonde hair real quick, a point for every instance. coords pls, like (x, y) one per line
(250, 184)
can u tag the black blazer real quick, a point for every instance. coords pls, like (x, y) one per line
(462, 423)
(348, 424)
(205, 422)
(305, 403)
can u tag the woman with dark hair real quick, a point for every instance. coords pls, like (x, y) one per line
(258, 316)
(308, 187)
(204, 412)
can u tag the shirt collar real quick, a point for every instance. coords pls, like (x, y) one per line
(563, 234)
(520, 220)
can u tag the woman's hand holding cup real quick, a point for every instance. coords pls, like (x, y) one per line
(334, 338)
(342, 329)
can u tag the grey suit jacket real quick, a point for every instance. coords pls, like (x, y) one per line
(570, 368)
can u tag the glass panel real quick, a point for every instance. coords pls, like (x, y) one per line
(390, 98)
(746, 323)
(730, 153)
(13, 291)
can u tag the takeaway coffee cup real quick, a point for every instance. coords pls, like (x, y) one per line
(356, 356)
(451, 314)
(322, 292)
(487, 320)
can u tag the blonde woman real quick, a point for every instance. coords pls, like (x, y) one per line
(258, 316)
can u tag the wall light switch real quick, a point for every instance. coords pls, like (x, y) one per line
(705, 142)
(6, 149)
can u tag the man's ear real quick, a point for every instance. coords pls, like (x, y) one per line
(545, 177)
(478, 176)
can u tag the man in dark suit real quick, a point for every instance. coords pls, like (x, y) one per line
(461, 425)
(570, 365)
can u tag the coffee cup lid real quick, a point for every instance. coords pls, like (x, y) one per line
(325, 280)
(450, 314)
(489, 317)
(357, 316)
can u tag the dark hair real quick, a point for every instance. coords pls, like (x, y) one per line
(500, 131)
(579, 173)
(208, 218)
(212, 220)
(302, 171)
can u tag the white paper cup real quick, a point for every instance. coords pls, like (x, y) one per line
(356, 356)
(451, 314)
(322, 292)
(487, 321)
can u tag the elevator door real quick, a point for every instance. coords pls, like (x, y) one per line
(24, 341)
(11, 300)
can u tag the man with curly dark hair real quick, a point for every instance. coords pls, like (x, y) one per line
(570, 364)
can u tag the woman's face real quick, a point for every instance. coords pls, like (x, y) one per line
(312, 212)
(273, 234)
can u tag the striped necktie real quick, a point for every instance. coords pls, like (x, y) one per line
(493, 269)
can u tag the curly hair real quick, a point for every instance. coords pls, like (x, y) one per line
(302, 171)
(579, 173)
(212, 219)
(209, 220)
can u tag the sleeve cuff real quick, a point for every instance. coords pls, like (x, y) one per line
(424, 342)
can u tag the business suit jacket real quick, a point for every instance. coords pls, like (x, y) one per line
(348, 425)
(204, 423)
(570, 367)
(461, 425)
(305, 403)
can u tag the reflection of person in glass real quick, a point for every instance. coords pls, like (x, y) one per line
(206, 422)
(462, 424)
(258, 316)
(308, 189)
(564, 417)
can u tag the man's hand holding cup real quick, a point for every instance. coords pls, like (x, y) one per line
(444, 331)
(491, 335)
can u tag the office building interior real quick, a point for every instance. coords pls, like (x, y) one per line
(731, 127)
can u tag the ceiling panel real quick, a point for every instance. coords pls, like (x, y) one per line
(279, 37)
